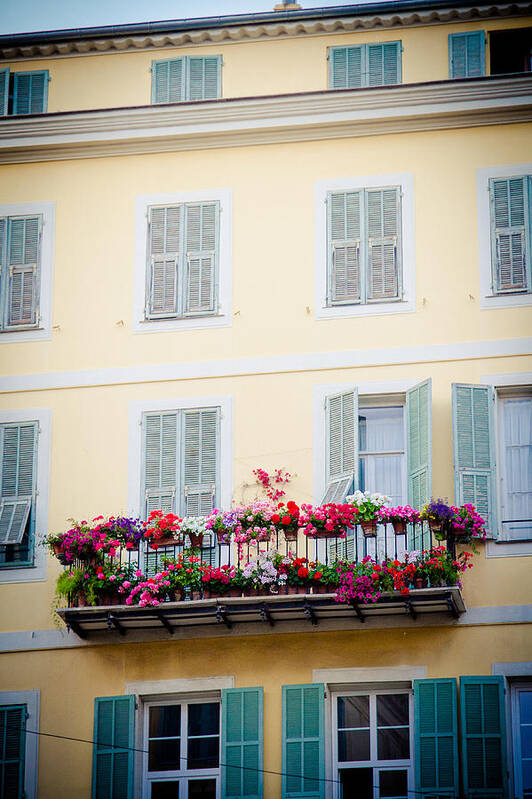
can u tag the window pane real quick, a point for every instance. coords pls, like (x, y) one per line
(526, 741)
(353, 711)
(393, 744)
(353, 745)
(164, 755)
(165, 721)
(165, 790)
(525, 707)
(356, 782)
(518, 455)
(527, 775)
(393, 783)
(203, 752)
(381, 429)
(204, 719)
(392, 710)
(202, 789)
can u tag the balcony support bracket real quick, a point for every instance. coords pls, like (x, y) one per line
(266, 616)
(358, 612)
(221, 616)
(164, 621)
(112, 621)
(310, 614)
(409, 608)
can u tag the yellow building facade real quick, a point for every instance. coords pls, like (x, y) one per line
(248, 217)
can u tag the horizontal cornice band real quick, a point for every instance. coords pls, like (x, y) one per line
(273, 364)
(259, 120)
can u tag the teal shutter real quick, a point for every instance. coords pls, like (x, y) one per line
(30, 92)
(200, 459)
(419, 443)
(168, 80)
(436, 737)
(474, 450)
(23, 267)
(204, 77)
(165, 227)
(112, 760)
(242, 743)
(18, 447)
(365, 65)
(303, 741)
(384, 246)
(201, 248)
(483, 737)
(160, 461)
(345, 67)
(510, 233)
(4, 91)
(344, 215)
(12, 750)
(383, 63)
(467, 54)
(342, 444)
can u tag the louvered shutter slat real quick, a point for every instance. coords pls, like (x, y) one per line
(4, 91)
(483, 737)
(345, 70)
(14, 514)
(201, 246)
(303, 742)
(509, 200)
(242, 743)
(12, 749)
(466, 54)
(436, 736)
(176, 81)
(211, 85)
(160, 462)
(160, 81)
(165, 239)
(23, 268)
(112, 770)
(344, 247)
(419, 443)
(29, 92)
(383, 225)
(342, 445)
(200, 461)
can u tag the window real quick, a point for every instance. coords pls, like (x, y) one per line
(23, 92)
(18, 750)
(177, 80)
(467, 54)
(364, 65)
(515, 458)
(511, 209)
(382, 452)
(521, 710)
(511, 51)
(18, 449)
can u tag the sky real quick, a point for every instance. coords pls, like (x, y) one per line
(22, 16)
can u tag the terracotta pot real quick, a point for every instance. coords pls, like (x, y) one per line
(323, 534)
(222, 536)
(369, 528)
(196, 540)
(323, 588)
(295, 589)
(81, 600)
(58, 550)
(168, 541)
(194, 595)
(290, 535)
(420, 582)
(178, 595)
(436, 526)
(234, 591)
(399, 526)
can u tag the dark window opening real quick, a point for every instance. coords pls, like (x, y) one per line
(511, 51)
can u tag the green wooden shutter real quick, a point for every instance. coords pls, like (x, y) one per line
(18, 446)
(344, 246)
(12, 750)
(474, 450)
(383, 64)
(303, 739)
(436, 737)
(466, 54)
(4, 91)
(160, 461)
(483, 737)
(242, 743)
(510, 233)
(112, 763)
(23, 262)
(168, 80)
(384, 247)
(342, 444)
(165, 233)
(201, 247)
(419, 443)
(204, 77)
(346, 67)
(200, 459)
(30, 92)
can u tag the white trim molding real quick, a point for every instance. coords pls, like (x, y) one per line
(138, 408)
(31, 766)
(222, 318)
(357, 675)
(179, 686)
(306, 116)
(37, 572)
(47, 211)
(487, 298)
(513, 668)
(407, 303)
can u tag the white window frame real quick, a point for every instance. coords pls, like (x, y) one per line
(390, 401)
(31, 762)
(43, 330)
(407, 303)
(502, 398)
(37, 572)
(515, 688)
(487, 298)
(222, 317)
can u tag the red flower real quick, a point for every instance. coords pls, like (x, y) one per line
(318, 575)
(302, 572)
(275, 518)
(286, 520)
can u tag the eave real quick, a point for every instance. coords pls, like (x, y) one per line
(264, 120)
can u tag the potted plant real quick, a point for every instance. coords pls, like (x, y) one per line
(163, 530)
(286, 519)
(298, 577)
(327, 521)
(223, 524)
(399, 517)
(439, 515)
(468, 525)
(369, 507)
(324, 579)
(195, 528)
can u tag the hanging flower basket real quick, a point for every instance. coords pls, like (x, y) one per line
(223, 536)
(325, 534)
(290, 535)
(196, 540)
(437, 527)
(168, 541)
(420, 582)
(399, 526)
(369, 528)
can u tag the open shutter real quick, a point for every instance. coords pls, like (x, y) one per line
(160, 462)
(23, 271)
(112, 763)
(466, 54)
(165, 232)
(383, 227)
(419, 443)
(12, 749)
(242, 743)
(346, 67)
(168, 81)
(30, 91)
(342, 445)
(344, 237)
(303, 740)
(200, 461)
(474, 449)
(384, 63)
(14, 514)
(201, 256)
(18, 446)
(510, 231)
(436, 737)
(483, 737)
(4, 91)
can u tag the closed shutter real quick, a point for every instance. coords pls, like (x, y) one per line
(474, 449)
(303, 741)
(165, 232)
(4, 91)
(204, 81)
(12, 750)
(383, 63)
(419, 443)
(346, 67)
(202, 222)
(436, 737)
(342, 444)
(466, 54)
(168, 81)
(483, 737)
(200, 460)
(160, 461)
(23, 258)
(344, 247)
(30, 91)
(18, 446)
(510, 233)
(112, 764)
(242, 743)
(383, 229)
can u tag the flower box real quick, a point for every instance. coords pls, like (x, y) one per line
(369, 528)
(196, 540)
(399, 526)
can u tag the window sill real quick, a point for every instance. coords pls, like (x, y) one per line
(183, 323)
(24, 334)
(366, 309)
(505, 548)
(506, 300)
